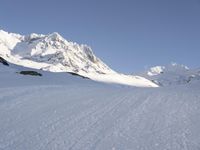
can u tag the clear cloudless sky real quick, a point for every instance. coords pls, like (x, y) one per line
(128, 35)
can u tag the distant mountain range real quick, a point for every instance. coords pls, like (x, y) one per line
(173, 74)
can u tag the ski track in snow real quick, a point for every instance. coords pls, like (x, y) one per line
(74, 117)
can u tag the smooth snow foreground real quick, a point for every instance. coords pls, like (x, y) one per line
(63, 112)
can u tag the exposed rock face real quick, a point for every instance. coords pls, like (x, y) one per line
(3, 61)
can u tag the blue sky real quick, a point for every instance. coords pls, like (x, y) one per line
(129, 35)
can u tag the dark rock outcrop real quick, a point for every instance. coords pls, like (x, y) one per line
(3, 61)
(75, 74)
(32, 73)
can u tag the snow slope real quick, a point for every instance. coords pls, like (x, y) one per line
(53, 53)
(59, 111)
(173, 74)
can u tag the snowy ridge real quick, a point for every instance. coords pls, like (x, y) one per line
(173, 74)
(55, 54)
(48, 51)
(155, 70)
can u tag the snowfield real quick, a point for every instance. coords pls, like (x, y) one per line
(59, 111)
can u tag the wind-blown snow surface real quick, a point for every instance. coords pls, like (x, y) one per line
(55, 54)
(62, 112)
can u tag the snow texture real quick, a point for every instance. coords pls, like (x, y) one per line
(58, 111)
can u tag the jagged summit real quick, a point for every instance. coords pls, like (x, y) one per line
(54, 53)
(51, 50)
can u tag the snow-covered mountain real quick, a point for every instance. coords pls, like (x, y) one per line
(53, 53)
(173, 74)
(50, 52)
